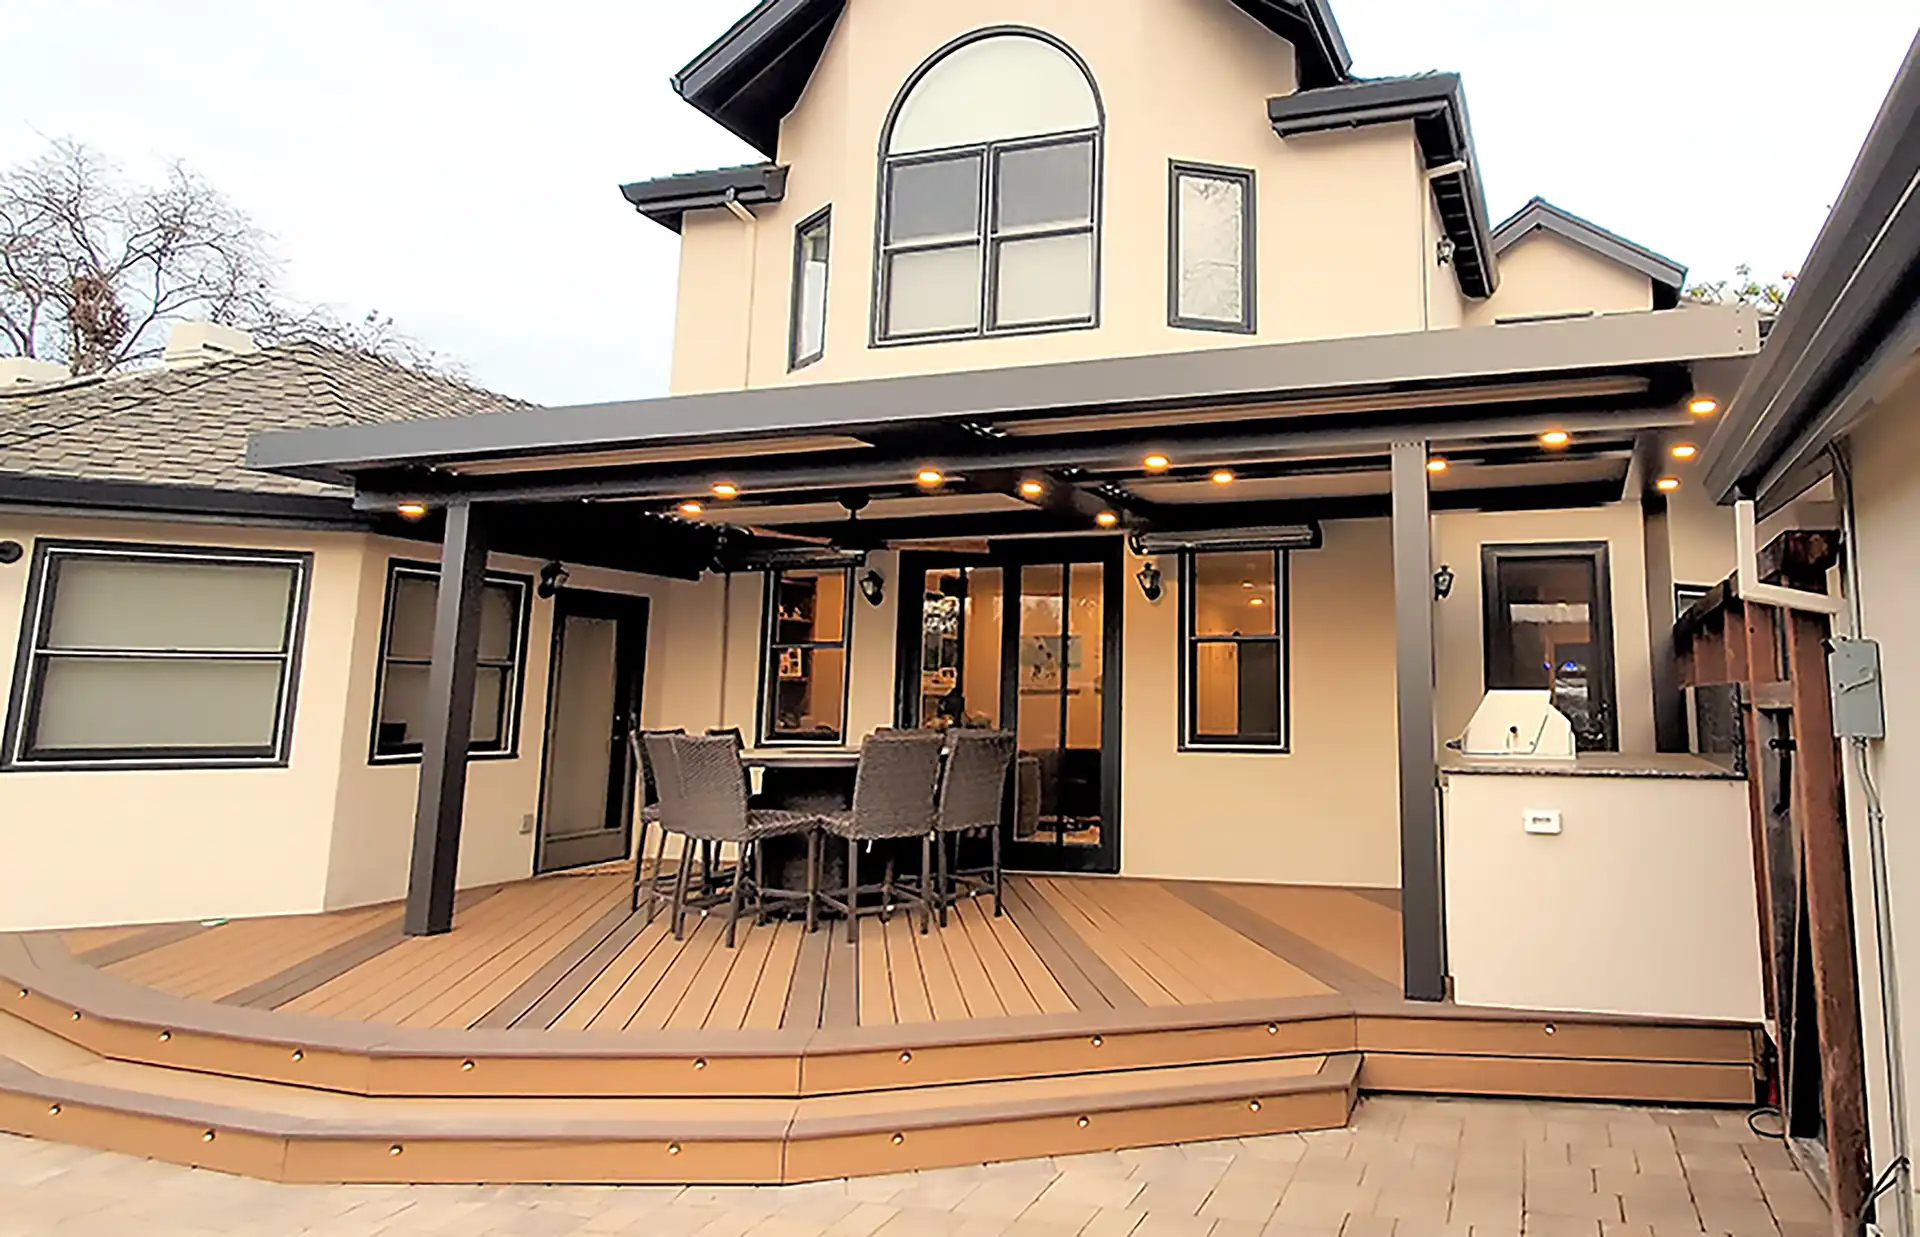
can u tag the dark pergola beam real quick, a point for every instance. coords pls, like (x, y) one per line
(1422, 905)
(449, 722)
(1669, 704)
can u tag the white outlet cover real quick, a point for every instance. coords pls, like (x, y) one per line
(1540, 820)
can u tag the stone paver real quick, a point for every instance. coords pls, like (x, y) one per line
(1404, 1168)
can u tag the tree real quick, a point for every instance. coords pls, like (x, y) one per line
(1743, 289)
(94, 269)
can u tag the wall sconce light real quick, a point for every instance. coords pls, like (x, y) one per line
(1443, 250)
(553, 577)
(1151, 586)
(873, 586)
(1443, 583)
(10, 552)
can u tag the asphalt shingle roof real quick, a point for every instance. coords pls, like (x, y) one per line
(189, 426)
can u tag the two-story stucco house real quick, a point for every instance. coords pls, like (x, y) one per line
(1132, 378)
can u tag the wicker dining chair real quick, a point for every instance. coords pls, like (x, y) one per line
(893, 797)
(704, 799)
(973, 796)
(647, 817)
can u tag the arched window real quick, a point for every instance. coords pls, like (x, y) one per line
(990, 193)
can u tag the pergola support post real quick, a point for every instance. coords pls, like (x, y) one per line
(449, 722)
(1422, 907)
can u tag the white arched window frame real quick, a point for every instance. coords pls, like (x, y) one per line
(990, 188)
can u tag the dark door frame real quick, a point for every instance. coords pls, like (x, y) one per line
(631, 613)
(1010, 556)
(1601, 620)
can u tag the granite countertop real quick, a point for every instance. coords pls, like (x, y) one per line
(1594, 764)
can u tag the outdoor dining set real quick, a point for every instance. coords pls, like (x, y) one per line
(932, 786)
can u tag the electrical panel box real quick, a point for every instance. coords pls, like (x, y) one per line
(1859, 699)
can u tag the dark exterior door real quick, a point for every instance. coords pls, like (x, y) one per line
(1549, 626)
(1026, 639)
(593, 701)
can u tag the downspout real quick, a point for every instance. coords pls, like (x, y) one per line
(752, 222)
(1860, 756)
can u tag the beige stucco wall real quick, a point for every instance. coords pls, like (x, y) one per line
(1544, 273)
(1642, 904)
(1701, 536)
(1460, 625)
(1344, 229)
(133, 846)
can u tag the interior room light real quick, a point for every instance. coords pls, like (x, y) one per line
(1684, 450)
(1667, 485)
(411, 509)
(1705, 406)
(1157, 463)
(1106, 519)
(929, 477)
(1032, 489)
(1556, 438)
(725, 489)
(1437, 464)
(1223, 477)
(690, 507)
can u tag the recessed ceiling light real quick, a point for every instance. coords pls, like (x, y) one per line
(1246, 584)
(1684, 450)
(1157, 463)
(1032, 489)
(725, 489)
(1256, 601)
(1667, 485)
(691, 507)
(1106, 519)
(411, 510)
(1705, 406)
(929, 477)
(1223, 477)
(1556, 438)
(1437, 464)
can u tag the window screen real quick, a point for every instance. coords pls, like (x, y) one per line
(1211, 267)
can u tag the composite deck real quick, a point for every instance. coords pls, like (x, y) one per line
(553, 1035)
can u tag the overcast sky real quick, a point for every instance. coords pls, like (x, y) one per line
(455, 164)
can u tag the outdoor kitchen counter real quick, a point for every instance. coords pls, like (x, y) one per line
(1609, 883)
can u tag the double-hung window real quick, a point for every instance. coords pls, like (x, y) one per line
(989, 200)
(804, 673)
(1210, 241)
(150, 655)
(810, 243)
(406, 660)
(1233, 628)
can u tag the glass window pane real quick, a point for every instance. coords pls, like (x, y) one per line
(811, 607)
(410, 627)
(488, 728)
(1045, 280)
(1044, 654)
(403, 709)
(1044, 186)
(985, 606)
(1212, 237)
(810, 297)
(1234, 594)
(935, 200)
(806, 694)
(1236, 691)
(933, 291)
(112, 702)
(159, 605)
(1085, 608)
(499, 621)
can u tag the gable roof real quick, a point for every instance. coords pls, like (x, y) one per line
(1436, 103)
(753, 75)
(1540, 215)
(188, 426)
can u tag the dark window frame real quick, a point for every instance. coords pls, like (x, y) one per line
(1249, 253)
(512, 692)
(1599, 619)
(28, 686)
(986, 234)
(1190, 642)
(770, 653)
(822, 218)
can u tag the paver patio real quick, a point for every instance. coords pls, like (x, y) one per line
(1405, 1168)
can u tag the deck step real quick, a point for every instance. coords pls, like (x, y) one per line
(51, 1087)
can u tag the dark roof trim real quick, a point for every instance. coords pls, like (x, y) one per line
(30, 490)
(1542, 215)
(754, 74)
(668, 198)
(1199, 378)
(1437, 105)
(1857, 296)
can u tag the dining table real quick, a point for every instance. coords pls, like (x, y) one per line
(802, 780)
